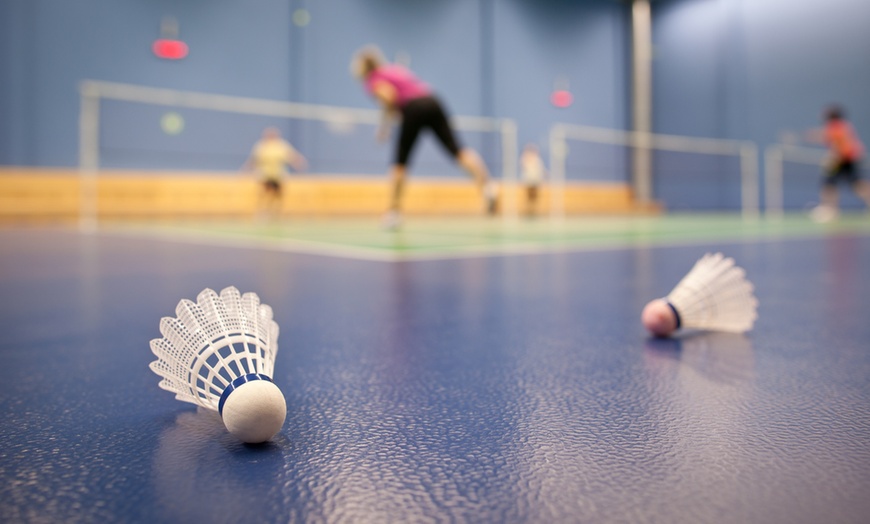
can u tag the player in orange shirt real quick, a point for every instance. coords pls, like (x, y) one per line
(845, 152)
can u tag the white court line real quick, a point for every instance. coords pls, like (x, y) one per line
(307, 247)
(206, 238)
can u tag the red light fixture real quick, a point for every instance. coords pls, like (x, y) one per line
(169, 49)
(561, 98)
(169, 46)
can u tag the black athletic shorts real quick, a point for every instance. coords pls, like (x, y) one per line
(273, 186)
(418, 114)
(845, 171)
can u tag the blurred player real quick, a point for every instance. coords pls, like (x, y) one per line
(270, 157)
(533, 172)
(403, 96)
(845, 151)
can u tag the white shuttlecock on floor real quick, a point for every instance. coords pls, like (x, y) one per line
(714, 295)
(219, 354)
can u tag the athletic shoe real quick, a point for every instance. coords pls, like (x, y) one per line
(391, 221)
(823, 214)
(490, 196)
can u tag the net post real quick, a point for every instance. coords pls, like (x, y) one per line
(509, 167)
(749, 180)
(89, 129)
(558, 154)
(773, 190)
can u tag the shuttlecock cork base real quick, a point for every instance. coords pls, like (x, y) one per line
(219, 354)
(256, 409)
(660, 318)
(714, 295)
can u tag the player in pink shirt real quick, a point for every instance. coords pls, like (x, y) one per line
(402, 95)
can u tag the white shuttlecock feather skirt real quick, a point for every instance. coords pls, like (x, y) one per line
(716, 295)
(214, 342)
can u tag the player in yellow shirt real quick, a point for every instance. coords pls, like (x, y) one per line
(269, 158)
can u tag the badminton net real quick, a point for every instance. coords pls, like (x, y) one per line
(133, 128)
(688, 173)
(792, 178)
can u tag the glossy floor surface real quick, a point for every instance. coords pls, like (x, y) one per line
(509, 388)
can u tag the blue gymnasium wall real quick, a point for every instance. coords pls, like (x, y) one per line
(754, 70)
(722, 68)
(485, 57)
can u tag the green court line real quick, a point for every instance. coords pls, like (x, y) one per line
(450, 238)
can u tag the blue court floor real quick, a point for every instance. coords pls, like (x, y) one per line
(517, 387)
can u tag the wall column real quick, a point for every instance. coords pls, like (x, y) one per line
(641, 33)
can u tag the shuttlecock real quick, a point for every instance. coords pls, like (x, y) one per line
(219, 354)
(714, 295)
